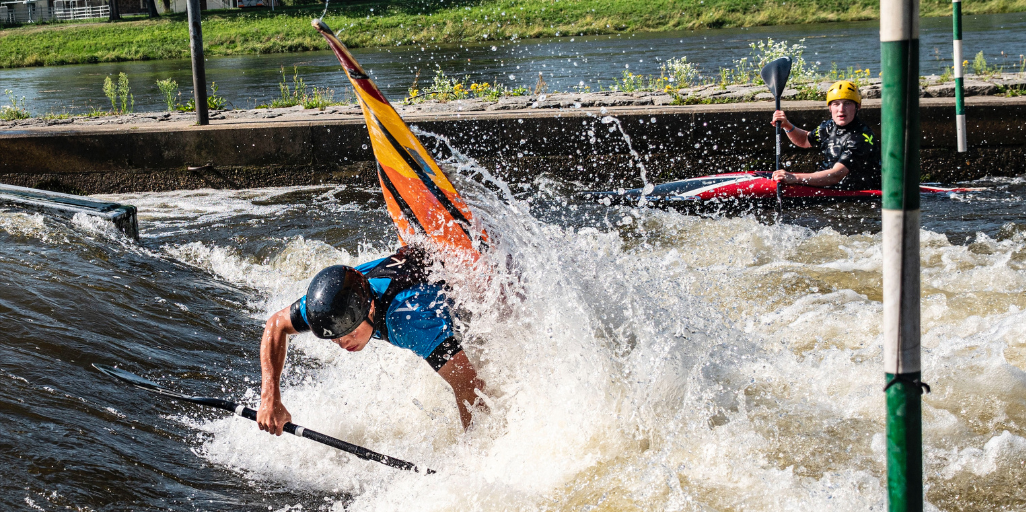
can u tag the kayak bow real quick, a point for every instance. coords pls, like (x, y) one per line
(420, 198)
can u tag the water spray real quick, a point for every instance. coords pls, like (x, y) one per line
(646, 187)
(325, 13)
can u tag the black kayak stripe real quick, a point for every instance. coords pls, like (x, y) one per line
(403, 206)
(439, 195)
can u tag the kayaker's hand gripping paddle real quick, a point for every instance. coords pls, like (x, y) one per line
(775, 74)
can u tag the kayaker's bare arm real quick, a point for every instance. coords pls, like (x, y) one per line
(824, 178)
(796, 135)
(461, 375)
(272, 415)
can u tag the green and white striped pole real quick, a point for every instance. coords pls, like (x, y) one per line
(956, 22)
(899, 56)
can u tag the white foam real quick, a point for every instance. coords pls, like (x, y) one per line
(697, 364)
(203, 205)
(285, 275)
(92, 225)
(31, 225)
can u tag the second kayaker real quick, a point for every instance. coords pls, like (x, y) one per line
(851, 150)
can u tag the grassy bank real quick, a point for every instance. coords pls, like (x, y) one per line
(388, 23)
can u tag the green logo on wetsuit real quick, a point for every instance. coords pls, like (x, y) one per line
(868, 137)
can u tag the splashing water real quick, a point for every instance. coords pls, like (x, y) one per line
(666, 363)
(647, 187)
(679, 363)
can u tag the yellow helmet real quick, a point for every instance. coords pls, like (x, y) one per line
(844, 90)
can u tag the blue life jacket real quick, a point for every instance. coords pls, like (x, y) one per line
(410, 311)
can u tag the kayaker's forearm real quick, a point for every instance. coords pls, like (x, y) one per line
(272, 362)
(462, 377)
(273, 347)
(824, 178)
(799, 137)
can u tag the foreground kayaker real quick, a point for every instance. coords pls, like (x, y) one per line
(390, 299)
(851, 150)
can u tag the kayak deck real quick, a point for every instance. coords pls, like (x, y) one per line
(745, 188)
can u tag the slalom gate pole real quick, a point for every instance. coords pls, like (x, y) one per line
(899, 56)
(956, 43)
(199, 71)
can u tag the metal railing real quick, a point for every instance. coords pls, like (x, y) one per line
(81, 13)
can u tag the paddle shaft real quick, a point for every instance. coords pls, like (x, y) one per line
(780, 197)
(251, 414)
(775, 74)
(313, 435)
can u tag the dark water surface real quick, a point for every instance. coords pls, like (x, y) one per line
(185, 308)
(247, 81)
(76, 294)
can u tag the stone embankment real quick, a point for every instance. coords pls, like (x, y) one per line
(930, 87)
(592, 140)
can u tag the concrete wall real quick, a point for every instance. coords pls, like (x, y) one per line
(575, 145)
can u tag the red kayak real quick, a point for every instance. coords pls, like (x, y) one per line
(747, 188)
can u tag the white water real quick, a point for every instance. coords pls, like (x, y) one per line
(702, 364)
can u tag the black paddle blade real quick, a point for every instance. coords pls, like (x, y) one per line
(775, 74)
(137, 381)
(128, 377)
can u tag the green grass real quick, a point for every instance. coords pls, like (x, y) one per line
(390, 23)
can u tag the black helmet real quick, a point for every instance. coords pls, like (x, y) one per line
(337, 302)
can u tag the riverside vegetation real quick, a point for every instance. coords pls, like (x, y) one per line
(16, 110)
(172, 97)
(681, 79)
(389, 23)
(684, 82)
(299, 93)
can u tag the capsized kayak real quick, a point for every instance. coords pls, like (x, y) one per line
(418, 195)
(745, 188)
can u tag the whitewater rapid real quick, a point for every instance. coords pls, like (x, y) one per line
(639, 359)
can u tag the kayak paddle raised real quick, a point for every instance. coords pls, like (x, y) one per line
(775, 74)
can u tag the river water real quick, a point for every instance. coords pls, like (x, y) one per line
(247, 81)
(636, 359)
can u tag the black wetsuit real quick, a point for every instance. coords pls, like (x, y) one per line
(854, 145)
